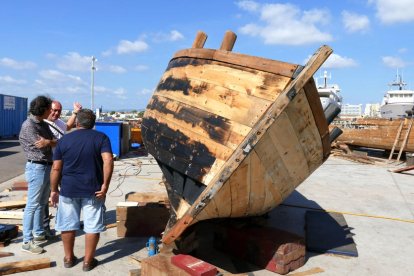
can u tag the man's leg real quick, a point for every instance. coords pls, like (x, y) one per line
(93, 218)
(91, 241)
(44, 191)
(68, 239)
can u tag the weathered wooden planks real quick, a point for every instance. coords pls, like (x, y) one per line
(218, 121)
(21, 266)
(376, 133)
(13, 204)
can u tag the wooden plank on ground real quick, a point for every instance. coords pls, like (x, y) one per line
(13, 204)
(11, 214)
(21, 266)
(409, 168)
(6, 254)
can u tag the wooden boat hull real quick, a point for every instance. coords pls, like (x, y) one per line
(233, 134)
(377, 133)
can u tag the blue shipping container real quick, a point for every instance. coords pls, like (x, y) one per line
(114, 132)
(13, 112)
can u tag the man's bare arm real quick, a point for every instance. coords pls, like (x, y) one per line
(108, 168)
(55, 177)
(71, 122)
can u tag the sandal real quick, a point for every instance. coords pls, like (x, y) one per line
(91, 265)
(69, 263)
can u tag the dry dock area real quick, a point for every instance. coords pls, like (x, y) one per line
(378, 207)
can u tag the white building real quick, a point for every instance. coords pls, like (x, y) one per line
(372, 110)
(351, 110)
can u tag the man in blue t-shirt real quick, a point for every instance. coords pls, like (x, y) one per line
(83, 164)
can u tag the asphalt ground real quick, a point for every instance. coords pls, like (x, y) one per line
(12, 159)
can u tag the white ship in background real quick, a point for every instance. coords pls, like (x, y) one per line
(397, 103)
(329, 94)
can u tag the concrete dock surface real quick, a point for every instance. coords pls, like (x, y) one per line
(378, 206)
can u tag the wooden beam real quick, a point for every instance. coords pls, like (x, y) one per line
(397, 138)
(6, 254)
(21, 266)
(409, 168)
(13, 204)
(200, 39)
(228, 41)
(147, 197)
(405, 140)
(11, 215)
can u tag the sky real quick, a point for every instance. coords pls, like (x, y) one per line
(46, 46)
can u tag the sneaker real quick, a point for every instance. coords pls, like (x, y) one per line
(31, 247)
(39, 239)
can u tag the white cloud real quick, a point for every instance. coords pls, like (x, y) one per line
(336, 61)
(56, 76)
(101, 89)
(11, 63)
(141, 68)
(173, 35)
(106, 53)
(120, 93)
(128, 47)
(145, 91)
(74, 62)
(248, 5)
(394, 11)
(10, 80)
(56, 82)
(287, 24)
(355, 22)
(117, 69)
(393, 62)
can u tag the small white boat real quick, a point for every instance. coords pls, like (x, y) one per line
(397, 103)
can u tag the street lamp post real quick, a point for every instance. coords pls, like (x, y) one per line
(93, 68)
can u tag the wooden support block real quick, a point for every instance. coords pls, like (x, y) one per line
(135, 272)
(28, 265)
(160, 265)
(194, 266)
(269, 248)
(141, 219)
(13, 204)
(147, 197)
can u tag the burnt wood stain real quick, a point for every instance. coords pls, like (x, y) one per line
(173, 84)
(175, 149)
(217, 127)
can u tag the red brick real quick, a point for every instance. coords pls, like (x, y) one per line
(194, 266)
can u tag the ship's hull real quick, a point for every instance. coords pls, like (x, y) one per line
(233, 134)
(377, 133)
(394, 111)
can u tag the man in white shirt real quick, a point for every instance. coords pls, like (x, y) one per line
(58, 128)
(56, 125)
